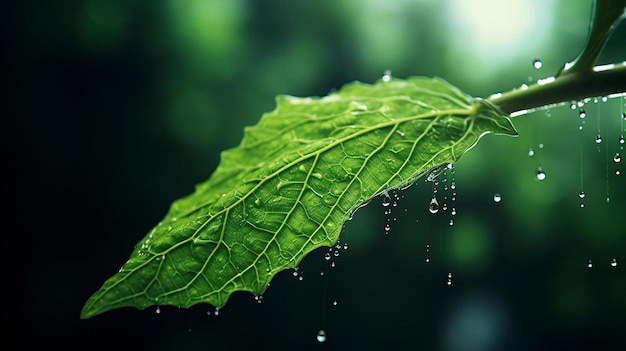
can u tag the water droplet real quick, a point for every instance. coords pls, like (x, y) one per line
(327, 256)
(335, 303)
(617, 172)
(537, 63)
(387, 228)
(451, 221)
(158, 310)
(573, 105)
(322, 273)
(598, 139)
(321, 336)
(345, 246)
(582, 113)
(581, 194)
(541, 146)
(387, 75)
(617, 158)
(541, 175)
(497, 197)
(336, 253)
(217, 311)
(621, 139)
(613, 263)
(386, 200)
(433, 207)
(589, 265)
(258, 298)
(531, 152)
(449, 278)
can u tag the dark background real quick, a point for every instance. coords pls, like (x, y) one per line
(114, 109)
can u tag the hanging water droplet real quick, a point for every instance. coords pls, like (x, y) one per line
(158, 310)
(598, 139)
(217, 311)
(573, 105)
(449, 278)
(258, 298)
(541, 146)
(617, 172)
(582, 113)
(541, 175)
(614, 263)
(621, 139)
(433, 207)
(537, 63)
(335, 303)
(386, 200)
(451, 222)
(497, 197)
(345, 246)
(531, 152)
(321, 336)
(322, 273)
(617, 158)
(581, 194)
(589, 265)
(327, 256)
(387, 228)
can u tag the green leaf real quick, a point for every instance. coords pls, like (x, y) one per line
(297, 176)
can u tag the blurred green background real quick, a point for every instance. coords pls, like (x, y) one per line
(117, 108)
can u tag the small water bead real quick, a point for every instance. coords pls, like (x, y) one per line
(598, 139)
(617, 172)
(321, 335)
(433, 207)
(387, 75)
(617, 158)
(327, 256)
(573, 105)
(158, 310)
(541, 146)
(258, 298)
(537, 63)
(386, 200)
(217, 311)
(497, 197)
(531, 152)
(621, 139)
(541, 175)
(387, 228)
(581, 194)
(451, 222)
(582, 113)
(590, 264)
(614, 262)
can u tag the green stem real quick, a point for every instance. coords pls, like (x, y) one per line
(574, 86)
(578, 79)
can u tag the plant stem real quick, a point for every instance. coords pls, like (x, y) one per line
(574, 86)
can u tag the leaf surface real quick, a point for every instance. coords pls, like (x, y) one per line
(287, 189)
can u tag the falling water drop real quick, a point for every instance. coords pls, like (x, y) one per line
(531, 152)
(387, 75)
(327, 256)
(598, 139)
(158, 310)
(321, 335)
(387, 228)
(614, 263)
(621, 139)
(497, 197)
(433, 207)
(581, 194)
(451, 222)
(386, 200)
(589, 265)
(541, 175)
(449, 278)
(617, 158)
(582, 113)
(537, 63)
